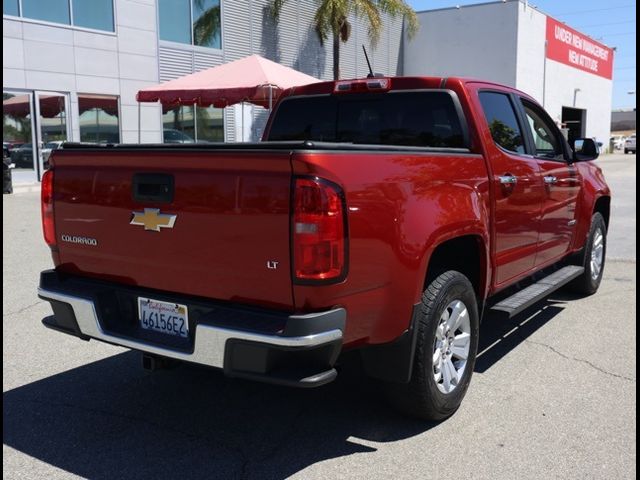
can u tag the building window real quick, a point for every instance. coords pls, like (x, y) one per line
(194, 22)
(206, 23)
(175, 21)
(10, 7)
(99, 121)
(180, 125)
(56, 11)
(95, 14)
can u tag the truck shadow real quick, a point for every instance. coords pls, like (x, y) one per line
(499, 336)
(110, 419)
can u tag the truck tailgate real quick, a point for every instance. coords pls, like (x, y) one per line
(229, 239)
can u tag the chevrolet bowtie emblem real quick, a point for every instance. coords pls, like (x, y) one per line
(152, 219)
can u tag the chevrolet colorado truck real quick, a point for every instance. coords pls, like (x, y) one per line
(381, 216)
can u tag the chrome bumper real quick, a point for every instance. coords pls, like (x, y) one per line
(210, 342)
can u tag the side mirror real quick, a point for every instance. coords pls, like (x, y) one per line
(585, 150)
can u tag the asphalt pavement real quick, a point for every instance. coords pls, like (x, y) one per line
(553, 394)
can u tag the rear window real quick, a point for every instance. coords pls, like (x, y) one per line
(420, 119)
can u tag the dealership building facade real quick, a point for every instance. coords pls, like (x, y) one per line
(515, 44)
(71, 68)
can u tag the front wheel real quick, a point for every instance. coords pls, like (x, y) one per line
(446, 347)
(593, 258)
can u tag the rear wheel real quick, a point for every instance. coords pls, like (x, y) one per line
(593, 258)
(446, 347)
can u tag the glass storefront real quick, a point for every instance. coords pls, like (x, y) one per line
(17, 130)
(99, 118)
(33, 125)
(180, 125)
(209, 127)
(52, 126)
(53, 117)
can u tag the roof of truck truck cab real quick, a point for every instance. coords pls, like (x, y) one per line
(396, 83)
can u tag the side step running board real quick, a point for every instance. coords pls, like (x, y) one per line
(536, 292)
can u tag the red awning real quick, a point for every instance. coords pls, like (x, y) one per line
(106, 103)
(52, 105)
(250, 79)
(18, 106)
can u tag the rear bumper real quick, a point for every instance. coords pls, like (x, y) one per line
(295, 350)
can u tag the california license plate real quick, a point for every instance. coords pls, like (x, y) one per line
(164, 317)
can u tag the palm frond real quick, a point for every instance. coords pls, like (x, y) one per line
(397, 8)
(207, 27)
(325, 20)
(370, 10)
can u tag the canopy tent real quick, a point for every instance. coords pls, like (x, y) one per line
(251, 79)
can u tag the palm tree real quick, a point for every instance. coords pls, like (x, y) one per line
(331, 18)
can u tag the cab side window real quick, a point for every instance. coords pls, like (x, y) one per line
(502, 121)
(546, 140)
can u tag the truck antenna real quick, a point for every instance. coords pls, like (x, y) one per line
(370, 75)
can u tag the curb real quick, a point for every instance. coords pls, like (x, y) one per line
(26, 188)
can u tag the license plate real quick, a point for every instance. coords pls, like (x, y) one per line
(164, 317)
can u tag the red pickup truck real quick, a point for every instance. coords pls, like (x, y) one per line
(383, 216)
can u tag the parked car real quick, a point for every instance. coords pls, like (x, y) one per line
(22, 156)
(617, 142)
(630, 144)
(7, 166)
(48, 148)
(380, 218)
(7, 186)
(13, 144)
(170, 135)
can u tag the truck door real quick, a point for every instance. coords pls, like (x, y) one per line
(561, 184)
(516, 183)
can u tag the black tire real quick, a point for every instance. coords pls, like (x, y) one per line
(421, 397)
(588, 282)
(626, 151)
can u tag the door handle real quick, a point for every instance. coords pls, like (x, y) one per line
(550, 180)
(508, 179)
(570, 181)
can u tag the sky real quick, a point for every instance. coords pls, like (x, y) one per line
(612, 22)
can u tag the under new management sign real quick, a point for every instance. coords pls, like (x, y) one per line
(565, 45)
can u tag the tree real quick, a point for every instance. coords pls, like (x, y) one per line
(332, 18)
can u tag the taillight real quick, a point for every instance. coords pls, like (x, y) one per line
(46, 196)
(319, 233)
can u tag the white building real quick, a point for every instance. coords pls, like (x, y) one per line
(513, 43)
(72, 68)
